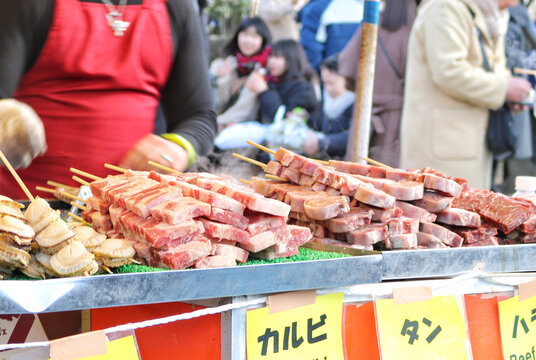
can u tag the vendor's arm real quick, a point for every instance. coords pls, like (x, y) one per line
(23, 31)
(187, 98)
(448, 33)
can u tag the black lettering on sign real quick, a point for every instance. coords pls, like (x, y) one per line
(312, 327)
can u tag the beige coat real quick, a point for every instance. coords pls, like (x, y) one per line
(448, 93)
(279, 16)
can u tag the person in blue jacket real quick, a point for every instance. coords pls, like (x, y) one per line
(326, 27)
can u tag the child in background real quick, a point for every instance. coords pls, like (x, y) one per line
(247, 50)
(288, 84)
(333, 122)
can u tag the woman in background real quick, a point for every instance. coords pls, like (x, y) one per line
(247, 50)
(396, 21)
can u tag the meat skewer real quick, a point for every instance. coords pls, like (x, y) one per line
(83, 173)
(81, 181)
(16, 176)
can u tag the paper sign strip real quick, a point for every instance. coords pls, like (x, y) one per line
(412, 294)
(290, 300)
(527, 290)
(79, 346)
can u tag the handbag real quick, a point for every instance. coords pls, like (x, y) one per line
(501, 136)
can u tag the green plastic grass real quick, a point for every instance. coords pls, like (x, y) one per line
(303, 255)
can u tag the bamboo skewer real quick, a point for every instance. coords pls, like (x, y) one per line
(260, 147)
(78, 218)
(81, 207)
(16, 176)
(44, 189)
(273, 177)
(163, 167)
(57, 184)
(107, 269)
(524, 71)
(116, 168)
(134, 261)
(81, 181)
(86, 174)
(377, 163)
(247, 182)
(71, 196)
(251, 161)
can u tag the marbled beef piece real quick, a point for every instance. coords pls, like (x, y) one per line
(297, 199)
(290, 174)
(266, 239)
(529, 225)
(184, 255)
(378, 183)
(402, 225)
(280, 191)
(326, 208)
(442, 233)
(405, 190)
(341, 244)
(225, 231)
(489, 241)
(264, 186)
(433, 202)
(368, 235)
(319, 186)
(459, 217)
(328, 176)
(350, 167)
(474, 235)
(352, 220)
(442, 185)
(181, 209)
(98, 204)
(306, 180)
(377, 172)
(382, 215)
(399, 174)
(317, 229)
(401, 241)
(210, 197)
(375, 197)
(429, 241)
(416, 212)
(274, 168)
(284, 156)
(216, 261)
(143, 203)
(228, 217)
(260, 222)
(237, 253)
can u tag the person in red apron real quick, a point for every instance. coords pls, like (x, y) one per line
(95, 72)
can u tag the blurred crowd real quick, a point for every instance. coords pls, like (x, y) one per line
(287, 78)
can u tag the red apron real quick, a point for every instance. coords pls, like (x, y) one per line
(96, 93)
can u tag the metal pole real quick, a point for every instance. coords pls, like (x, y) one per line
(367, 64)
(254, 9)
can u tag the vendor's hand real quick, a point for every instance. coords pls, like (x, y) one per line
(227, 66)
(157, 149)
(22, 135)
(310, 146)
(518, 89)
(256, 83)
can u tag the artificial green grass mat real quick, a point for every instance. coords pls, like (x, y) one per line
(303, 255)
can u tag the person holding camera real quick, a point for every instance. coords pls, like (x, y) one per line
(449, 93)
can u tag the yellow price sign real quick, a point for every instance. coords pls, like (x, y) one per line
(431, 329)
(119, 349)
(516, 320)
(308, 332)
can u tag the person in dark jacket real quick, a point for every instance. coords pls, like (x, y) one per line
(289, 81)
(332, 123)
(288, 84)
(519, 42)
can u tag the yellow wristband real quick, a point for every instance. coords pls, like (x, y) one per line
(183, 143)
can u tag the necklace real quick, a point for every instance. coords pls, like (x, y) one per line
(115, 17)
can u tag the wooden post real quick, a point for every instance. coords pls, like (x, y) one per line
(365, 85)
(254, 9)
